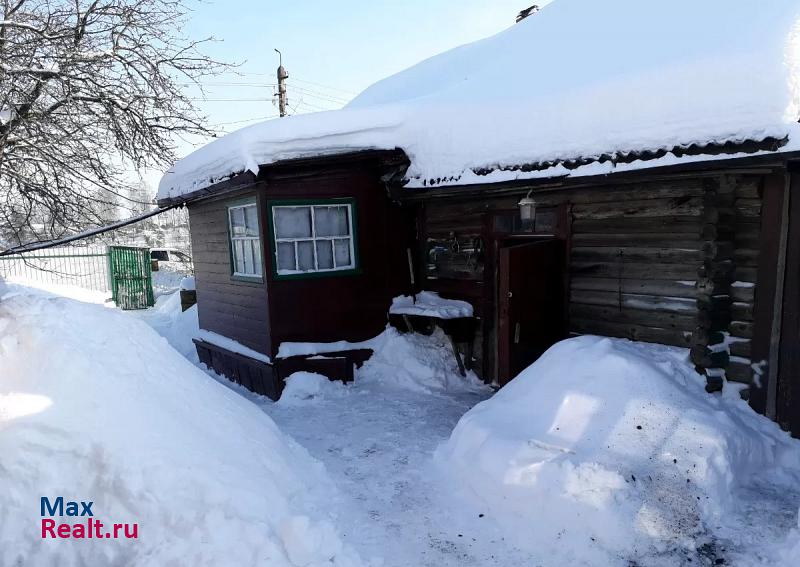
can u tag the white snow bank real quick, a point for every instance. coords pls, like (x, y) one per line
(171, 322)
(606, 451)
(302, 387)
(580, 79)
(415, 362)
(95, 406)
(429, 304)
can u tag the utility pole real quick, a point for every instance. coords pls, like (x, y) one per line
(282, 76)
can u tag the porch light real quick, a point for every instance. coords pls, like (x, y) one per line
(527, 208)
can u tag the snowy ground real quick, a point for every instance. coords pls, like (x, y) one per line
(391, 446)
(376, 443)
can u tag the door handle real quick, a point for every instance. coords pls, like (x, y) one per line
(516, 334)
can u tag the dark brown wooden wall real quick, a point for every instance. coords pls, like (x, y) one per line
(343, 307)
(637, 254)
(236, 309)
(747, 237)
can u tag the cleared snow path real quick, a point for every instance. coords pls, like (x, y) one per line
(377, 444)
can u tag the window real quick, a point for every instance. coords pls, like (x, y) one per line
(314, 237)
(245, 240)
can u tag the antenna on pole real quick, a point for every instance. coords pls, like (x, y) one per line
(282, 76)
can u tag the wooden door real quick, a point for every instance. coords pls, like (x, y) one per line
(531, 304)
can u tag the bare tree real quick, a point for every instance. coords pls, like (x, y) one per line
(90, 90)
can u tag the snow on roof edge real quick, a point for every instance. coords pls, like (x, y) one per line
(729, 76)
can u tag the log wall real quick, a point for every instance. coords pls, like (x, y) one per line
(668, 261)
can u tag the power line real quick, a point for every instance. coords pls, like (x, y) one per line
(345, 91)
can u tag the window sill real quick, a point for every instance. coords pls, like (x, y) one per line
(248, 279)
(317, 275)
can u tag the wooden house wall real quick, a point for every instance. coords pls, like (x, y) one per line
(351, 307)
(236, 309)
(747, 233)
(637, 253)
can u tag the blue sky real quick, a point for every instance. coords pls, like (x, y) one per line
(331, 49)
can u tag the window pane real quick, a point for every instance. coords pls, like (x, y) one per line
(292, 222)
(324, 255)
(257, 258)
(248, 256)
(331, 221)
(286, 256)
(251, 220)
(237, 222)
(238, 253)
(342, 250)
(305, 255)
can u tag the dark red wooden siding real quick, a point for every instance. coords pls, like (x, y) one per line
(343, 307)
(235, 309)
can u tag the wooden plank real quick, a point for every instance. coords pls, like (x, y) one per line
(641, 287)
(741, 348)
(623, 270)
(743, 294)
(670, 225)
(745, 274)
(740, 372)
(636, 254)
(746, 257)
(678, 206)
(642, 317)
(748, 187)
(655, 239)
(236, 303)
(632, 301)
(633, 332)
(742, 329)
(788, 391)
(748, 208)
(768, 245)
(638, 191)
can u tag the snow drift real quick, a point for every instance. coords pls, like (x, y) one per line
(94, 405)
(415, 362)
(578, 80)
(606, 451)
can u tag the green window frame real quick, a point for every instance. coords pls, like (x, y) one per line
(312, 238)
(244, 240)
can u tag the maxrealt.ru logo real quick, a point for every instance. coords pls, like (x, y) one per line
(86, 528)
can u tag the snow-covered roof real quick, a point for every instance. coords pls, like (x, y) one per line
(579, 81)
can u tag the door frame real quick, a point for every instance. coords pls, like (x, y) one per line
(787, 402)
(503, 356)
(495, 240)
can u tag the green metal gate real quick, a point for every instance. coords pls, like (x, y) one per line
(129, 271)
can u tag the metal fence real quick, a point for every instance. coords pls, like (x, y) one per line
(122, 271)
(85, 267)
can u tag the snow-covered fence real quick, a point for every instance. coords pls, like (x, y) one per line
(85, 267)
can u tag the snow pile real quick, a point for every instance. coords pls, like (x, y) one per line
(302, 387)
(171, 322)
(429, 304)
(415, 362)
(188, 283)
(580, 79)
(166, 280)
(94, 405)
(606, 451)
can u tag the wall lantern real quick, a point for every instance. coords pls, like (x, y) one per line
(527, 208)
